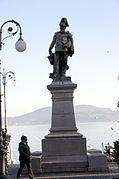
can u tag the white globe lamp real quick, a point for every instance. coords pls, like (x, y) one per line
(20, 45)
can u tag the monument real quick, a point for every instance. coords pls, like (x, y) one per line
(63, 149)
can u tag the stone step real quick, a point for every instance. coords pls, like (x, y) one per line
(113, 174)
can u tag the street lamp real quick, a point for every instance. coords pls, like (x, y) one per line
(20, 46)
(6, 138)
(6, 76)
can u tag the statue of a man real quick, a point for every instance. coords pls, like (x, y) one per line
(63, 43)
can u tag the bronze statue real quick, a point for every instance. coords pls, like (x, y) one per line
(63, 42)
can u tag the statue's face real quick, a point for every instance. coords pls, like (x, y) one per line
(62, 28)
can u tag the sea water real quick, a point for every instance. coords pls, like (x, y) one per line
(96, 133)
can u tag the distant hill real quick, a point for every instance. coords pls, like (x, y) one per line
(83, 113)
(40, 116)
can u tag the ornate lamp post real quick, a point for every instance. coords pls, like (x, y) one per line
(6, 76)
(20, 46)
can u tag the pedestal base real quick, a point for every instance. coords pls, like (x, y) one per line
(97, 162)
(64, 154)
(64, 149)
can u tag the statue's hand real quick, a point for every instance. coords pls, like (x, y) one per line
(64, 46)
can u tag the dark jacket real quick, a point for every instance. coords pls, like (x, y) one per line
(24, 151)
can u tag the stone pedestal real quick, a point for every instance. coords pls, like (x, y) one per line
(63, 149)
(97, 161)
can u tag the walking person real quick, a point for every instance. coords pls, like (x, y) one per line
(24, 157)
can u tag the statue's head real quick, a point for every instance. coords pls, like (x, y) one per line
(64, 22)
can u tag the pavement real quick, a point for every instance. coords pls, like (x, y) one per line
(112, 174)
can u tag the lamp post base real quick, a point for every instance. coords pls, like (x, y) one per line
(2, 162)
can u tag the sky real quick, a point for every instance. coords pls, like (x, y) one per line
(94, 67)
